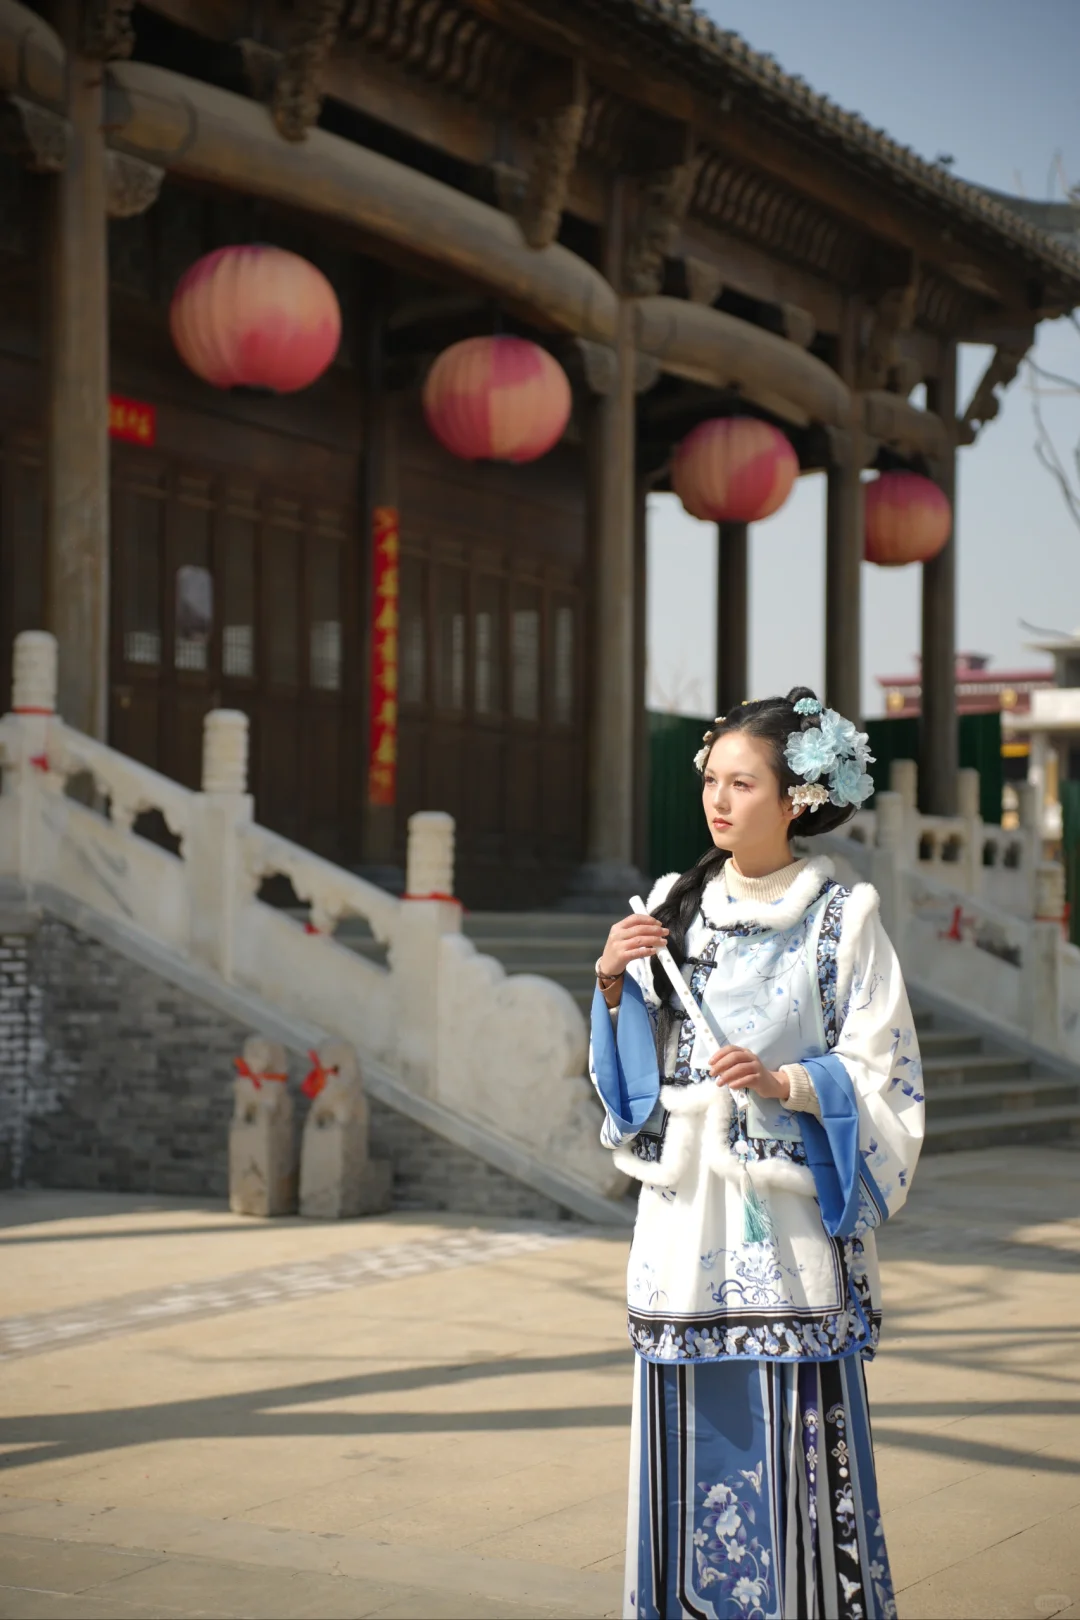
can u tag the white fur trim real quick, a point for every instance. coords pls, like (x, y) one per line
(860, 905)
(722, 912)
(713, 1106)
(661, 889)
(675, 1155)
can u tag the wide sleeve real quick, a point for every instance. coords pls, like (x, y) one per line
(622, 1063)
(864, 1150)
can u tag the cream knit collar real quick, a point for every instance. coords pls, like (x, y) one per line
(802, 882)
(773, 886)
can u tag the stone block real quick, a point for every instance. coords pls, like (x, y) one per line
(338, 1177)
(262, 1150)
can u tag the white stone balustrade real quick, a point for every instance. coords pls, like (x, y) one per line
(963, 851)
(447, 1024)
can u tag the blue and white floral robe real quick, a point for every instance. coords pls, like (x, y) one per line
(761, 1339)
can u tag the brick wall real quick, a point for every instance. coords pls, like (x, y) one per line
(111, 1078)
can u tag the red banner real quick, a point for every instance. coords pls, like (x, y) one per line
(132, 420)
(382, 749)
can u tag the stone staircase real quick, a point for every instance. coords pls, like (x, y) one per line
(980, 1092)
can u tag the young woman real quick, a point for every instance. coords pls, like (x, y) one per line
(753, 1283)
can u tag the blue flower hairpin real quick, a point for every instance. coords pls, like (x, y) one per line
(808, 706)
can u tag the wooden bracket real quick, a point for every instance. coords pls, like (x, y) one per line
(665, 198)
(40, 139)
(559, 104)
(703, 281)
(799, 324)
(298, 91)
(985, 402)
(133, 184)
(893, 315)
(260, 66)
(106, 33)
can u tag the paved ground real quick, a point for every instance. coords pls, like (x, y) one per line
(408, 1417)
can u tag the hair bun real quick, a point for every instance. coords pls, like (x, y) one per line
(798, 693)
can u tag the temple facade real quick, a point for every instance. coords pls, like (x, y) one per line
(689, 230)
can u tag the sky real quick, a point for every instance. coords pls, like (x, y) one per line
(995, 84)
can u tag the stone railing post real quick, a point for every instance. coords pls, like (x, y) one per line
(904, 782)
(33, 713)
(888, 865)
(969, 809)
(1042, 983)
(213, 857)
(429, 859)
(427, 913)
(1029, 798)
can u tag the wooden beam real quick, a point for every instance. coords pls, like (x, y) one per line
(708, 346)
(221, 139)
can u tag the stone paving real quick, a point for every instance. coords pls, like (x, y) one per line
(425, 1416)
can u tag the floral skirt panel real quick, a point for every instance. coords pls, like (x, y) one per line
(753, 1494)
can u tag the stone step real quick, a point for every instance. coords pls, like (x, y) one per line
(1002, 1097)
(940, 1043)
(973, 1069)
(997, 1129)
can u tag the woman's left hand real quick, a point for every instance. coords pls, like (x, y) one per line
(735, 1067)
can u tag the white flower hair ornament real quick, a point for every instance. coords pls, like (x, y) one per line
(834, 749)
(808, 795)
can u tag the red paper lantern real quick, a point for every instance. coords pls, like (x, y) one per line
(734, 469)
(497, 399)
(908, 519)
(255, 317)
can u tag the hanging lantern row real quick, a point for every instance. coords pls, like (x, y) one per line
(908, 519)
(497, 399)
(734, 469)
(255, 317)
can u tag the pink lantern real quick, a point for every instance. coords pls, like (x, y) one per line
(908, 519)
(497, 399)
(734, 469)
(255, 317)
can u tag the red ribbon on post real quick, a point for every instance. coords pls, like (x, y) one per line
(318, 1077)
(246, 1072)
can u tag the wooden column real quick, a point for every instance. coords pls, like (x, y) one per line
(732, 610)
(939, 740)
(843, 580)
(610, 835)
(77, 444)
(844, 543)
(641, 718)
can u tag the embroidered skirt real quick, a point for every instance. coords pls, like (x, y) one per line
(753, 1494)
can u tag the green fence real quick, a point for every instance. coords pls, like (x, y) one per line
(1069, 794)
(979, 748)
(677, 830)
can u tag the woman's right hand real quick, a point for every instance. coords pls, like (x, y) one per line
(630, 940)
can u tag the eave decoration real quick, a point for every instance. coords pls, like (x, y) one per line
(255, 317)
(497, 399)
(908, 519)
(734, 469)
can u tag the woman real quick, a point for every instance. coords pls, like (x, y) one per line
(753, 1283)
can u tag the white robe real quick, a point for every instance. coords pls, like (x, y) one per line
(811, 978)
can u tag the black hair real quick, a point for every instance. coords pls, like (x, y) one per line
(771, 721)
